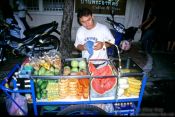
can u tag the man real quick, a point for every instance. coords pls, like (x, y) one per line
(97, 33)
(149, 28)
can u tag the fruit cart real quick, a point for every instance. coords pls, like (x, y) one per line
(77, 86)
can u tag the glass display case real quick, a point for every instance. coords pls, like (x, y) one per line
(77, 81)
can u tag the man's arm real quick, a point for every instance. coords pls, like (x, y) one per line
(98, 46)
(81, 47)
(151, 22)
(107, 44)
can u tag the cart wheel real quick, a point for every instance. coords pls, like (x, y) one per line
(82, 110)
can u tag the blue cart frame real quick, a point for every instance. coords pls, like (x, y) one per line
(7, 91)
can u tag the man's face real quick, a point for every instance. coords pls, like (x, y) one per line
(87, 22)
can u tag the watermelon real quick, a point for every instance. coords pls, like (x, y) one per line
(91, 67)
(102, 85)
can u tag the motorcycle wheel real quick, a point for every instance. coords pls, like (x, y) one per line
(47, 43)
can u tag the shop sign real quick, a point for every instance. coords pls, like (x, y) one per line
(103, 6)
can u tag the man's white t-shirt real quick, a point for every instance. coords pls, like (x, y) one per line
(99, 33)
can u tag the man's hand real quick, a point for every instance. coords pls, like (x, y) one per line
(98, 45)
(81, 47)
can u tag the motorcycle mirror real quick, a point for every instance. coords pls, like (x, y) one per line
(112, 13)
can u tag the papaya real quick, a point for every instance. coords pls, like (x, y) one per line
(84, 82)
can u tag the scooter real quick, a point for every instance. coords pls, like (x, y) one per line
(123, 37)
(37, 40)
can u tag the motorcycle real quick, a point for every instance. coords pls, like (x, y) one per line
(123, 36)
(37, 40)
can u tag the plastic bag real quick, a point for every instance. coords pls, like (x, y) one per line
(13, 109)
(89, 46)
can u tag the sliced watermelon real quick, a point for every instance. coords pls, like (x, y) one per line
(91, 67)
(95, 83)
(102, 85)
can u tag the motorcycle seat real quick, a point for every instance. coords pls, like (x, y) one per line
(39, 29)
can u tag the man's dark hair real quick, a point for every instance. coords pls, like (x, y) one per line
(83, 12)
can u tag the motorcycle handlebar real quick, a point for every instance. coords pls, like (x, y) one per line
(112, 22)
(13, 26)
(10, 26)
(117, 26)
(55, 24)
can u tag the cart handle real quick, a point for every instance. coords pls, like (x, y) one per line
(119, 60)
(5, 89)
(5, 80)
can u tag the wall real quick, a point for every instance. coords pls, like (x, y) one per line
(133, 17)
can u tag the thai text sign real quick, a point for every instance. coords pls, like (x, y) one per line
(103, 6)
